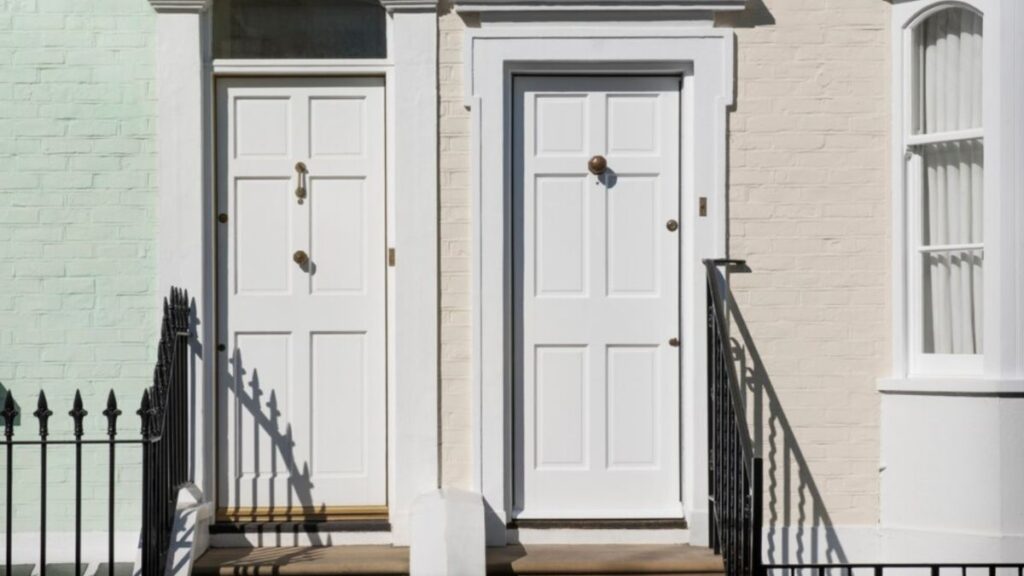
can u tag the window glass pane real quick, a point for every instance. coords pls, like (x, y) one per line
(952, 217)
(948, 76)
(299, 29)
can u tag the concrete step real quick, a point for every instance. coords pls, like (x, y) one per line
(547, 559)
(603, 559)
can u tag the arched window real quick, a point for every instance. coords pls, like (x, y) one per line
(273, 29)
(945, 153)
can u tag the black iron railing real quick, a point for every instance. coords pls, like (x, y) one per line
(734, 468)
(735, 471)
(909, 569)
(164, 443)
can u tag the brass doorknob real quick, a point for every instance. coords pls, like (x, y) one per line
(674, 342)
(597, 165)
(300, 257)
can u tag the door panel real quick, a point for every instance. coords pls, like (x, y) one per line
(596, 297)
(302, 391)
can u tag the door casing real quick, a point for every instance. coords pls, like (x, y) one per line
(704, 58)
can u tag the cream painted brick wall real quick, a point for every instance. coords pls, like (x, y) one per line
(456, 247)
(809, 209)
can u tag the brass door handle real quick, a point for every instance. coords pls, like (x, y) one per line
(300, 257)
(597, 165)
(300, 173)
(673, 342)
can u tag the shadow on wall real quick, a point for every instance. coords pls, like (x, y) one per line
(797, 524)
(754, 15)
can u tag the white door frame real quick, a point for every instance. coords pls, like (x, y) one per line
(703, 57)
(187, 242)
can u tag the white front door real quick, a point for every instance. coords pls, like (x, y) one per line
(301, 261)
(596, 267)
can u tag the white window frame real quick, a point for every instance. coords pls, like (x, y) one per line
(1000, 368)
(922, 363)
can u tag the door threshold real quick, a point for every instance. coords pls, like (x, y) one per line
(300, 533)
(293, 526)
(301, 514)
(599, 524)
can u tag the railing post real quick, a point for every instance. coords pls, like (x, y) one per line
(78, 414)
(10, 412)
(147, 496)
(43, 413)
(757, 515)
(111, 413)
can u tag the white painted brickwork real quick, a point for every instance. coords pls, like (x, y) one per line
(456, 247)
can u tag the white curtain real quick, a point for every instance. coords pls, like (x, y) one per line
(950, 99)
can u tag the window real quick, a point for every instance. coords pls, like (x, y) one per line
(945, 192)
(299, 29)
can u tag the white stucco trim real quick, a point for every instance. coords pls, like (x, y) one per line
(1003, 359)
(593, 6)
(494, 53)
(185, 128)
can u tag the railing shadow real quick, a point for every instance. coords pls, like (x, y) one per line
(267, 427)
(797, 522)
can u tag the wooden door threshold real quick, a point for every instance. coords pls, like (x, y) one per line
(302, 514)
(610, 524)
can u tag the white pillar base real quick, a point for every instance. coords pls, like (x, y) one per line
(447, 535)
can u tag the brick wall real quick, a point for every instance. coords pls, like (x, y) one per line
(77, 230)
(456, 248)
(810, 211)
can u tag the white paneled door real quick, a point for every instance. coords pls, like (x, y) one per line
(596, 252)
(302, 394)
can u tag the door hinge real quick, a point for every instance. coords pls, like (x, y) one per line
(391, 257)
(703, 210)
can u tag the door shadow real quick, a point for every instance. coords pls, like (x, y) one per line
(266, 429)
(797, 522)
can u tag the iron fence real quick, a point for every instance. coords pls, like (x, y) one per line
(163, 413)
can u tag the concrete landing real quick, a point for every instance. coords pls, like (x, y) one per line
(549, 559)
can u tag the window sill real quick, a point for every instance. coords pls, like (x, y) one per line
(972, 386)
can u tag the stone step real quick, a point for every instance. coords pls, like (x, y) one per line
(547, 559)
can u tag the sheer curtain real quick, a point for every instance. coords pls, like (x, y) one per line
(949, 47)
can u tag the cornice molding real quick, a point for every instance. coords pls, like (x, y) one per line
(409, 5)
(598, 5)
(178, 6)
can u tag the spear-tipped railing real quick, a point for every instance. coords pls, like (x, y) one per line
(164, 442)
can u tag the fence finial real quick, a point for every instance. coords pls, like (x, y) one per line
(144, 413)
(111, 413)
(9, 413)
(78, 413)
(43, 413)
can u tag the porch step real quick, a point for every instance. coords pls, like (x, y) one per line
(303, 561)
(608, 559)
(548, 559)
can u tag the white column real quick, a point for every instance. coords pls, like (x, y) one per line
(414, 112)
(183, 146)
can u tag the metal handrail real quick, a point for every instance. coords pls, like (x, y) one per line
(735, 395)
(735, 471)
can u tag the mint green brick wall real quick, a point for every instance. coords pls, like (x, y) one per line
(77, 234)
